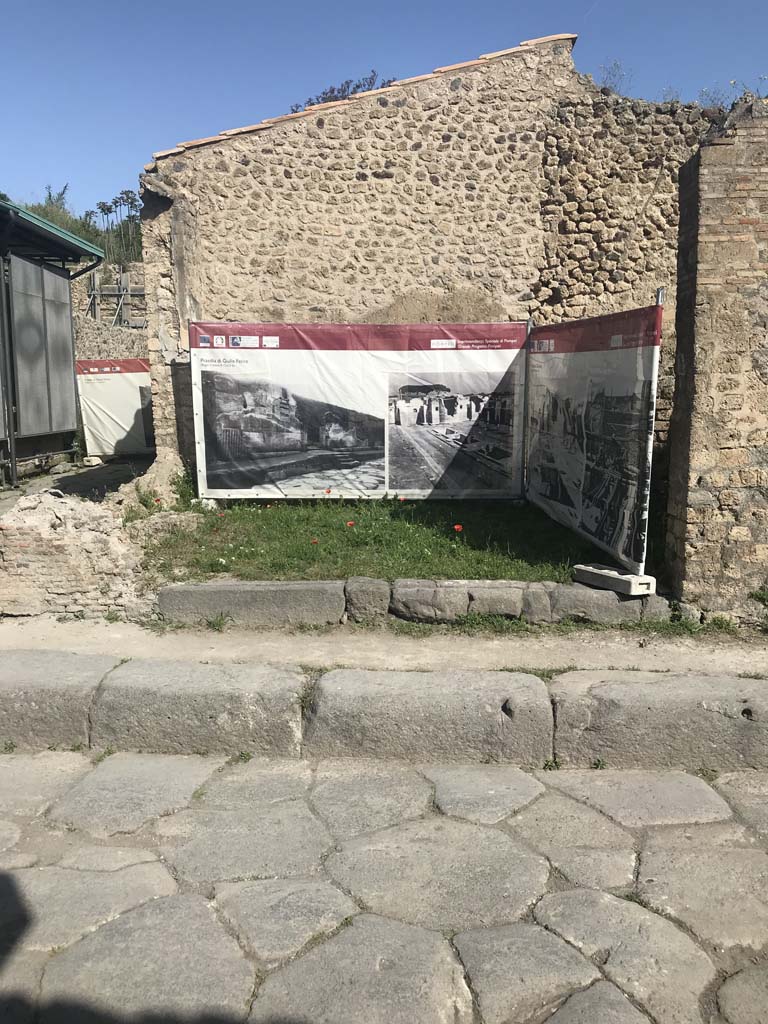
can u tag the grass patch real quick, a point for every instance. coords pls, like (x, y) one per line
(384, 539)
(498, 625)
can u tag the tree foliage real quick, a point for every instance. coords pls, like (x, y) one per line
(344, 90)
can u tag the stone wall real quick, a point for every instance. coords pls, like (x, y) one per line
(718, 510)
(95, 339)
(501, 188)
(64, 556)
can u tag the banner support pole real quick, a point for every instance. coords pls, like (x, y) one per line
(528, 331)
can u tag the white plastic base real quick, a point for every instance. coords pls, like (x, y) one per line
(607, 578)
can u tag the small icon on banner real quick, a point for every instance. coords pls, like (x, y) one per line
(270, 341)
(234, 341)
(219, 341)
(204, 341)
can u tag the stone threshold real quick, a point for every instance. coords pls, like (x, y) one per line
(617, 719)
(362, 599)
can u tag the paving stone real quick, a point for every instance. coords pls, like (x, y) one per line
(660, 720)
(258, 783)
(353, 796)
(105, 858)
(29, 783)
(367, 598)
(521, 972)
(600, 1004)
(12, 861)
(274, 919)
(431, 716)
(376, 971)
(441, 874)
(63, 905)
(170, 957)
(743, 998)
(45, 696)
(583, 844)
(575, 601)
(127, 790)
(720, 894)
(648, 957)
(689, 837)
(9, 835)
(249, 603)
(638, 798)
(20, 974)
(485, 794)
(177, 707)
(284, 840)
(747, 793)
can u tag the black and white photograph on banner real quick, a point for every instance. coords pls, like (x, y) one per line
(260, 434)
(454, 433)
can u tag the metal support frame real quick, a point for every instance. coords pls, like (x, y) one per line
(6, 382)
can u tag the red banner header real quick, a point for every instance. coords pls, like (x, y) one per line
(635, 328)
(105, 366)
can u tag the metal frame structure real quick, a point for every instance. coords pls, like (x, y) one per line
(26, 239)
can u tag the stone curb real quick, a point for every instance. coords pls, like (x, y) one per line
(620, 719)
(362, 599)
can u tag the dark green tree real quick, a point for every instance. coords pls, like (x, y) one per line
(344, 90)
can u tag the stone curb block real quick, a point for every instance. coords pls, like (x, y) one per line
(309, 602)
(46, 697)
(657, 720)
(172, 707)
(429, 600)
(449, 716)
(366, 598)
(587, 604)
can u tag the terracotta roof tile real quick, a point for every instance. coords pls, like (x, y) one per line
(549, 39)
(167, 152)
(455, 67)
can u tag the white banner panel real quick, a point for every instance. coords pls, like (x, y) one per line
(358, 410)
(116, 406)
(591, 402)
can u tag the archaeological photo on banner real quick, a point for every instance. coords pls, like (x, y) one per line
(358, 410)
(591, 404)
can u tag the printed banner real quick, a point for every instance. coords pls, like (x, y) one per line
(358, 410)
(591, 402)
(116, 406)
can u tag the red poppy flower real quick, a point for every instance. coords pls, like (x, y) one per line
(327, 490)
(313, 541)
(158, 501)
(402, 499)
(458, 527)
(219, 514)
(351, 522)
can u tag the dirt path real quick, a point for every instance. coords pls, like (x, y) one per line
(381, 649)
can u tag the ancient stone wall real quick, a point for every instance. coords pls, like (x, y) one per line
(95, 339)
(491, 190)
(718, 510)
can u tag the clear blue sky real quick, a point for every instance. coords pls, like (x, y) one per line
(92, 89)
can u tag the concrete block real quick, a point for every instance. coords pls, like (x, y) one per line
(537, 604)
(575, 601)
(431, 716)
(366, 598)
(45, 697)
(174, 707)
(608, 578)
(246, 603)
(429, 600)
(660, 720)
(496, 597)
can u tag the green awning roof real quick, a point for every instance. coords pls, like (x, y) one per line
(25, 234)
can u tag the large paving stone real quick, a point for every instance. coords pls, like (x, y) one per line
(446, 716)
(367, 598)
(274, 919)
(720, 894)
(660, 720)
(374, 971)
(583, 844)
(181, 707)
(698, 837)
(575, 601)
(747, 793)
(246, 603)
(441, 874)
(20, 975)
(9, 835)
(485, 794)
(207, 845)
(29, 783)
(170, 960)
(105, 858)
(743, 998)
(649, 958)
(357, 796)
(259, 783)
(63, 905)
(45, 696)
(127, 790)
(600, 1004)
(521, 972)
(639, 798)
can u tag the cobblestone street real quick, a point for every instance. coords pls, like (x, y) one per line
(192, 888)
